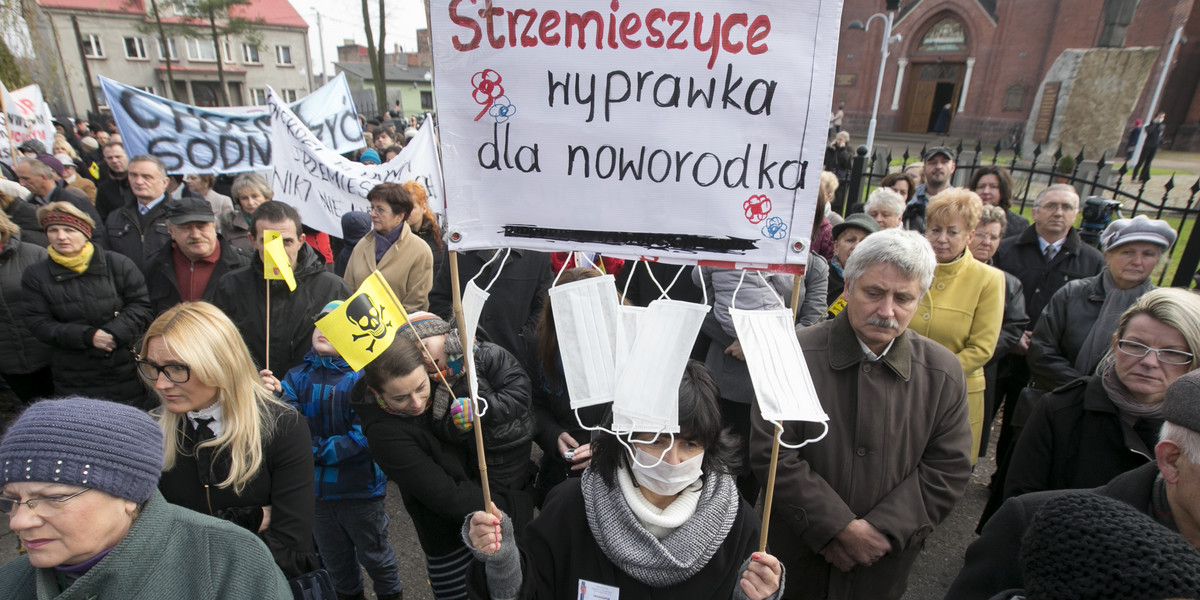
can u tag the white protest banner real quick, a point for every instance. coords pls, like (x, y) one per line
(29, 117)
(190, 139)
(6, 148)
(323, 185)
(688, 130)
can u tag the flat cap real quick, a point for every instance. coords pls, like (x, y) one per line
(1181, 405)
(1138, 229)
(858, 220)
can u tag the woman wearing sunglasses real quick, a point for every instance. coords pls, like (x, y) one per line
(1097, 427)
(77, 481)
(232, 450)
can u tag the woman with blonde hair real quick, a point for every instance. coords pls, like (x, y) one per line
(232, 449)
(90, 306)
(964, 307)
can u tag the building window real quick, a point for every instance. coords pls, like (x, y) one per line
(149, 89)
(283, 55)
(170, 48)
(259, 96)
(250, 54)
(426, 100)
(288, 96)
(201, 50)
(947, 35)
(227, 50)
(92, 48)
(135, 48)
(1014, 97)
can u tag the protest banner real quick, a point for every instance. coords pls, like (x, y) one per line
(6, 147)
(28, 116)
(190, 139)
(686, 130)
(323, 185)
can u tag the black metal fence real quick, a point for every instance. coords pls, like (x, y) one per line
(1099, 178)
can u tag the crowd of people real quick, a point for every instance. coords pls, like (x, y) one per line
(187, 431)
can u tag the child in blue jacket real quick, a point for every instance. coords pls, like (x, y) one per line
(350, 518)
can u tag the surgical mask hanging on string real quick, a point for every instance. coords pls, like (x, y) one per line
(473, 299)
(647, 390)
(585, 319)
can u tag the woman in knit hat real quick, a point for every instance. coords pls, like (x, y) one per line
(232, 449)
(88, 304)
(77, 481)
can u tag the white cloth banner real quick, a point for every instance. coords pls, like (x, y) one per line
(690, 131)
(29, 117)
(323, 185)
(190, 139)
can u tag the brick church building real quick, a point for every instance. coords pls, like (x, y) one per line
(986, 60)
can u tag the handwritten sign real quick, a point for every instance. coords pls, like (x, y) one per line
(28, 116)
(635, 129)
(190, 139)
(323, 185)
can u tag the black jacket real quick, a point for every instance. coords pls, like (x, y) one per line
(241, 293)
(1075, 438)
(64, 309)
(1022, 256)
(23, 214)
(112, 194)
(21, 352)
(284, 482)
(508, 424)
(138, 236)
(1016, 224)
(163, 284)
(512, 312)
(991, 564)
(65, 193)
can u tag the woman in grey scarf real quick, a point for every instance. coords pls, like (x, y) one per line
(1097, 427)
(1076, 328)
(643, 528)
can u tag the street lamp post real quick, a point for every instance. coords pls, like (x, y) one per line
(887, 40)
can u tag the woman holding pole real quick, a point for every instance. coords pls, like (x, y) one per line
(663, 520)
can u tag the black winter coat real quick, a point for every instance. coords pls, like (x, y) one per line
(112, 194)
(1016, 224)
(163, 284)
(284, 482)
(517, 298)
(24, 215)
(992, 564)
(21, 352)
(438, 479)
(1022, 256)
(241, 293)
(1075, 438)
(66, 308)
(508, 424)
(138, 236)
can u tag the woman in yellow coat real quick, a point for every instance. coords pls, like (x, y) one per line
(965, 305)
(400, 255)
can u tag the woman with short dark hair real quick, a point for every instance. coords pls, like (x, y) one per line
(404, 259)
(994, 185)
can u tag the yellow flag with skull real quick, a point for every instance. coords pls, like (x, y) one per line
(366, 323)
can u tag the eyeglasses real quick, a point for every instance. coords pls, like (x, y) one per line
(50, 504)
(175, 373)
(1054, 207)
(380, 210)
(1169, 357)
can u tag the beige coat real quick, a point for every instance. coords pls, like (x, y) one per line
(407, 266)
(897, 455)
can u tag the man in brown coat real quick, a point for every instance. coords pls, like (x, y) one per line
(852, 511)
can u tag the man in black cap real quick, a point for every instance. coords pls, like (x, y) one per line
(846, 235)
(938, 168)
(1167, 490)
(189, 267)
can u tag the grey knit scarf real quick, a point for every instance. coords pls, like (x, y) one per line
(675, 558)
(1099, 339)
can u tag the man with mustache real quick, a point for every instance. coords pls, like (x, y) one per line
(189, 267)
(852, 511)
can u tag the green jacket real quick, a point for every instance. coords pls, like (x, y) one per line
(170, 552)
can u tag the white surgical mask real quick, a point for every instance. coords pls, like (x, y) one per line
(647, 390)
(472, 305)
(585, 318)
(661, 477)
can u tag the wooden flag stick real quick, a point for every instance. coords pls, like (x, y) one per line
(268, 319)
(465, 336)
(766, 520)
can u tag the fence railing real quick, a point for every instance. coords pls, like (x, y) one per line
(1098, 177)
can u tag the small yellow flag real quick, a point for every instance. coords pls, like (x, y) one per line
(94, 170)
(366, 323)
(275, 259)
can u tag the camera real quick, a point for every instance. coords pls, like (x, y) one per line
(1097, 214)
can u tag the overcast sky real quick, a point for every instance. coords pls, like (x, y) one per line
(343, 20)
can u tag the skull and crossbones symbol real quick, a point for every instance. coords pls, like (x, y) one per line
(368, 317)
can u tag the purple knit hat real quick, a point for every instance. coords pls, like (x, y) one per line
(96, 444)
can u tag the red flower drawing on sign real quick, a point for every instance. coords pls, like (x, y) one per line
(757, 208)
(487, 89)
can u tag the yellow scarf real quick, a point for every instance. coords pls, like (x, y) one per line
(78, 263)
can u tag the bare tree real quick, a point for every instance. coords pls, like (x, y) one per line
(378, 54)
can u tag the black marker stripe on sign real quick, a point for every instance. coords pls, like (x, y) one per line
(657, 241)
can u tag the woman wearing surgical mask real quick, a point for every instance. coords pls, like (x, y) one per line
(660, 520)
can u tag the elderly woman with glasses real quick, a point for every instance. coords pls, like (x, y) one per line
(77, 481)
(1099, 426)
(403, 258)
(232, 450)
